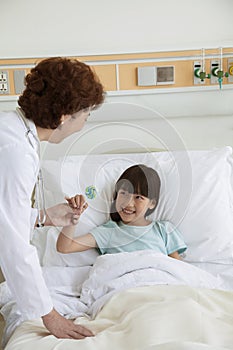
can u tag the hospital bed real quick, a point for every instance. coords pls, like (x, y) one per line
(139, 300)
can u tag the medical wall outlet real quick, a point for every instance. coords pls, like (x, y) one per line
(217, 73)
(165, 75)
(214, 68)
(19, 76)
(146, 76)
(4, 82)
(230, 71)
(199, 74)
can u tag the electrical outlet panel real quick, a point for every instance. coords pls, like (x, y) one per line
(146, 76)
(3, 88)
(19, 76)
(214, 67)
(230, 70)
(4, 82)
(196, 70)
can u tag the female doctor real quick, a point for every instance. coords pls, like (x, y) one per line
(56, 102)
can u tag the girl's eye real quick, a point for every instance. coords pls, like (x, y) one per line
(140, 197)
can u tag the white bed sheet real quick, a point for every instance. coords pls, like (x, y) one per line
(145, 318)
(223, 271)
(65, 285)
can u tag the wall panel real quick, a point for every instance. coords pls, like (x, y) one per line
(118, 73)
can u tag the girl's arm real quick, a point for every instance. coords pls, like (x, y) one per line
(175, 255)
(66, 243)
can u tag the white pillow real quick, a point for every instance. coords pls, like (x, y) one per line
(53, 258)
(196, 195)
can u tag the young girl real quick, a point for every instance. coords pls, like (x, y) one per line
(136, 196)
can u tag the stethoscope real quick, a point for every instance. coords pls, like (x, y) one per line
(39, 186)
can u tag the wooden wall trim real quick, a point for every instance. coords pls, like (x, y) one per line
(118, 72)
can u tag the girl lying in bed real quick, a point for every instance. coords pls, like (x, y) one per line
(136, 197)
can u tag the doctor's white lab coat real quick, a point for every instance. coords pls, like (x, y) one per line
(19, 165)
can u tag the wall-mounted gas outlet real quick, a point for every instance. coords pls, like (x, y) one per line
(230, 70)
(214, 68)
(4, 82)
(197, 70)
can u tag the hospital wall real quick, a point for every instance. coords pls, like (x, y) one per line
(202, 117)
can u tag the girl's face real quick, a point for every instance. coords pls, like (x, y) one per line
(70, 125)
(133, 207)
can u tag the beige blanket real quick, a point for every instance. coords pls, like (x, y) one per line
(146, 318)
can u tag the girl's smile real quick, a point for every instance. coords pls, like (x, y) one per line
(132, 208)
(128, 211)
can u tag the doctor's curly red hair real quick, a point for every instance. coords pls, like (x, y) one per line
(58, 86)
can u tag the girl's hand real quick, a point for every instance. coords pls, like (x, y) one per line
(77, 203)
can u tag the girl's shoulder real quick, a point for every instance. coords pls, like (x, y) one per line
(164, 226)
(162, 222)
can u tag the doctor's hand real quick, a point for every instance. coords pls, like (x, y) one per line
(60, 327)
(66, 214)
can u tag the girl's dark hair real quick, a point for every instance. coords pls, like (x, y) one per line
(138, 179)
(58, 86)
